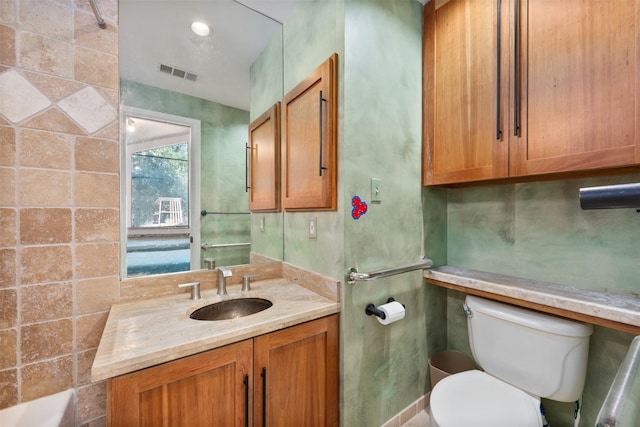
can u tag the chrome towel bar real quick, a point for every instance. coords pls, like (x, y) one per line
(96, 12)
(354, 276)
(206, 246)
(620, 407)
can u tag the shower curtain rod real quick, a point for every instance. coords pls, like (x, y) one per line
(96, 11)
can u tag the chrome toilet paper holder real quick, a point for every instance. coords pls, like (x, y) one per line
(372, 310)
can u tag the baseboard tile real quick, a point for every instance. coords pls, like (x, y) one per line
(409, 412)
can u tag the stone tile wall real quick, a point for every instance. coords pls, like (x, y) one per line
(59, 197)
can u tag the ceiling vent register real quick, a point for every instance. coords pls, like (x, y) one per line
(177, 72)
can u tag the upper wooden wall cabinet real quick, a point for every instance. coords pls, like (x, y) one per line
(309, 141)
(514, 88)
(264, 162)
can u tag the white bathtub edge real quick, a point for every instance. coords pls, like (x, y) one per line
(56, 410)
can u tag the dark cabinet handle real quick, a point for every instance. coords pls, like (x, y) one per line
(498, 72)
(516, 68)
(321, 168)
(246, 168)
(246, 400)
(264, 397)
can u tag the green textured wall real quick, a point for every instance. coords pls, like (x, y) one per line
(384, 367)
(266, 89)
(312, 33)
(309, 36)
(533, 230)
(541, 231)
(538, 231)
(224, 134)
(379, 50)
(267, 78)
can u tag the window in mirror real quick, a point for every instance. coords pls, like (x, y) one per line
(160, 186)
(159, 194)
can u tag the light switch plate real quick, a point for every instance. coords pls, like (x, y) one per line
(376, 190)
(313, 228)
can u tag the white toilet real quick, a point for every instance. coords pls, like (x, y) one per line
(525, 355)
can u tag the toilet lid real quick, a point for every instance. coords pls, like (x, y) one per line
(474, 398)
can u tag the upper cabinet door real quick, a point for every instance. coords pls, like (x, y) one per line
(309, 141)
(577, 66)
(465, 65)
(264, 161)
(516, 88)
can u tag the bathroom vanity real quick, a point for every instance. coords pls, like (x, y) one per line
(291, 374)
(279, 364)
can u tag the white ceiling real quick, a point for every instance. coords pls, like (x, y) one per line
(154, 32)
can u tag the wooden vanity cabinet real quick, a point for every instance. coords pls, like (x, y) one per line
(264, 162)
(537, 87)
(297, 367)
(309, 141)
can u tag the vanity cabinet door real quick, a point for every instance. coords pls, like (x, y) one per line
(309, 141)
(296, 375)
(213, 388)
(264, 162)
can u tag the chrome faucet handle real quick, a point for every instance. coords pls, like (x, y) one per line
(211, 263)
(246, 281)
(195, 289)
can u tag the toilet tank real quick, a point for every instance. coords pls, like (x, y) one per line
(540, 353)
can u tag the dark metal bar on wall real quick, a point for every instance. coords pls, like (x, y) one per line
(498, 72)
(611, 197)
(205, 213)
(246, 168)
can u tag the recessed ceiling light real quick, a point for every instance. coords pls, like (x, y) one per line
(200, 28)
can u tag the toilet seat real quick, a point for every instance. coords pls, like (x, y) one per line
(474, 398)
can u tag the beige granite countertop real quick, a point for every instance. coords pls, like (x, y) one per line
(605, 308)
(148, 332)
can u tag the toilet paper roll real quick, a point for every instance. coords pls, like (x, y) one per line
(393, 312)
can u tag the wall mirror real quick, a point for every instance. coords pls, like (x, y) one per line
(183, 180)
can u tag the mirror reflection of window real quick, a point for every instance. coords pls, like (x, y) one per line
(160, 186)
(158, 196)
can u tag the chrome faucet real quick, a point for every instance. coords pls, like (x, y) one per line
(223, 273)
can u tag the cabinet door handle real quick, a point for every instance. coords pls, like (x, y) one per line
(246, 400)
(516, 68)
(264, 397)
(498, 72)
(321, 168)
(246, 168)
